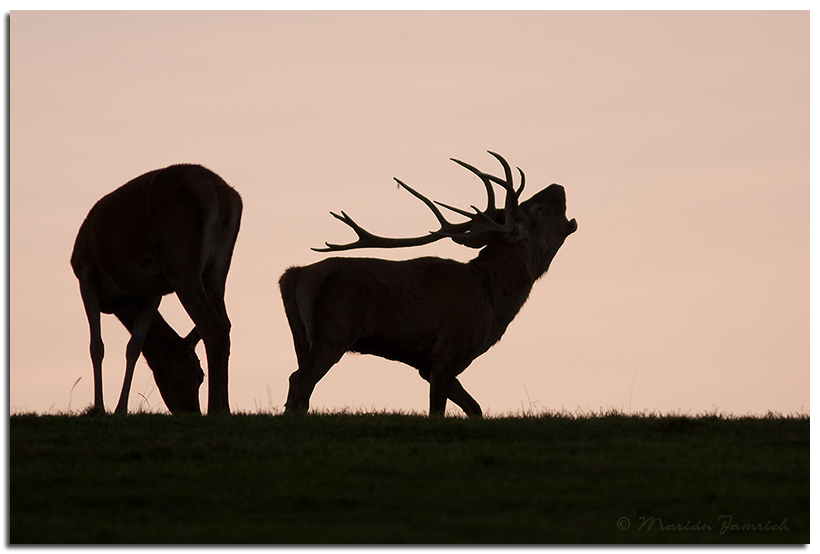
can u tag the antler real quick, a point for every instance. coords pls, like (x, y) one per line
(471, 233)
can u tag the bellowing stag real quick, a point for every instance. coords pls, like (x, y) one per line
(433, 314)
(169, 230)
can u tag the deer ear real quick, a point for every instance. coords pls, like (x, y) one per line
(192, 339)
(524, 219)
(518, 233)
(535, 210)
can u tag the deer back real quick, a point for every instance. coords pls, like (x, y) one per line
(181, 218)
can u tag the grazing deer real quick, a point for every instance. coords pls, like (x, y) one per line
(432, 314)
(169, 230)
(172, 360)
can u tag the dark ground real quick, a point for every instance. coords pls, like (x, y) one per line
(387, 479)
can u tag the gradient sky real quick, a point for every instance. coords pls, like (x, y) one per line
(682, 139)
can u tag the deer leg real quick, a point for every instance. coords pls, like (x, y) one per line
(300, 387)
(298, 390)
(214, 327)
(301, 344)
(142, 322)
(96, 347)
(298, 400)
(463, 400)
(440, 386)
(456, 393)
(303, 380)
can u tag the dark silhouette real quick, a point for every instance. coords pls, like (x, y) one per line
(172, 360)
(169, 230)
(433, 314)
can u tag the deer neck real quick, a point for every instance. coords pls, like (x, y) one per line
(507, 274)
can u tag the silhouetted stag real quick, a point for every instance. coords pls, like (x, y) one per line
(169, 230)
(433, 314)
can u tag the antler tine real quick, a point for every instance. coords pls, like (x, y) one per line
(459, 211)
(487, 184)
(369, 240)
(445, 225)
(511, 201)
(479, 224)
(347, 220)
(507, 184)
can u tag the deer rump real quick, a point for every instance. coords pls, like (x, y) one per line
(131, 234)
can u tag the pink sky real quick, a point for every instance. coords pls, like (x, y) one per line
(682, 139)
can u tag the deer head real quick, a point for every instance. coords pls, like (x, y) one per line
(173, 361)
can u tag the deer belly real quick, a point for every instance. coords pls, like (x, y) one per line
(132, 287)
(414, 355)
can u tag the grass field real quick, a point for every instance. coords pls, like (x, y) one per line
(388, 479)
